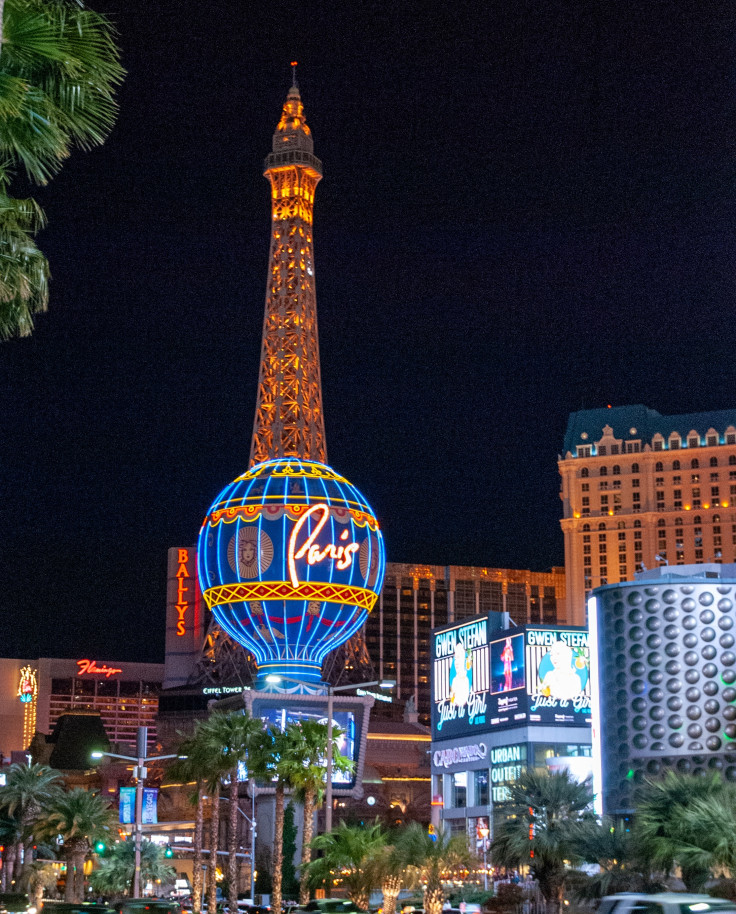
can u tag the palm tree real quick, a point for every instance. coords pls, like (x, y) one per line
(428, 857)
(29, 789)
(81, 818)
(623, 864)
(355, 853)
(195, 765)
(666, 827)
(230, 737)
(546, 811)
(59, 67)
(308, 781)
(11, 838)
(116, 871)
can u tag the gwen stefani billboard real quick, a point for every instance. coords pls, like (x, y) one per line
(460, 679)
(558, 676)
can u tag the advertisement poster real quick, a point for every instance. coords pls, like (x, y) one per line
(127, 805)
(149, 813)
(460, 679)
(508, 694)
(558, 676)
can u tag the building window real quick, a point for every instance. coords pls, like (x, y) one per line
(586, 500)
(616, 470)
(714, 494)
(694, 464)
(585, 487)
(603, 471)
(459, 790)
(586, 537)
(622, 571)
(481, 792)
(616, 483)
(601, 451)
(622, 536)
(634, 467)
(695, 477)
(603, 485)
(584, 450)
(586, 549)
(693, 441)
(712, 440)
(614, 449)
(714, 461)
(637, 500)
(659, 481)
(633, 447)
(675, 464)
(658, 444)
(730, 437)
(674, 442)
(584, 473)
(659, 467)
(714, 477)
(586, 560)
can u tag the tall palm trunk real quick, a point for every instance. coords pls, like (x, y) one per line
(390, 887)
(9, 867)
(214, 835)
(434, 898)
(74, 889)
(277, 857)
(198, 842)
(307, 835)
(232, 842)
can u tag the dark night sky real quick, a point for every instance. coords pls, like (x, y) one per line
(527, 208)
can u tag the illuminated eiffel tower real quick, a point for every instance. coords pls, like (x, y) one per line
(289, 420)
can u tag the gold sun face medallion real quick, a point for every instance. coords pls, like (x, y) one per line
(254, 553)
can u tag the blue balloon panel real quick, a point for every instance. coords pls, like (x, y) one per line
(291, 560)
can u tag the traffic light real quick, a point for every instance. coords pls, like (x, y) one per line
(169, 852)
(100, 847)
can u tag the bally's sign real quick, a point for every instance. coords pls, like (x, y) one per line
(461, 679)
(460, 755)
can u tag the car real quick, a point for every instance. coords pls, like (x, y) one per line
(68, 907)
(665, 903)
(15, 903)
(148, 906)
(328, 906)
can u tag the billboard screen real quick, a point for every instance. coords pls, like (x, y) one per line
(508, 694)
(348, 742)
(460, 679)
(558, 676)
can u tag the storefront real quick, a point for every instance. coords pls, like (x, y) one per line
(503, 701)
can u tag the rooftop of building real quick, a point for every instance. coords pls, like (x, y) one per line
(638, 422)
(680, 574)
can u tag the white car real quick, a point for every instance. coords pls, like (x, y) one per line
(665, 903)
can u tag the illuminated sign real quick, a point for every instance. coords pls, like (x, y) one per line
(460, 755)
(28, 686)
(90, 668)
(558, 676)
(342, 555)
(378, 696)
(28, 694)
(184, 594)
(290, 561)
(507, 764)
(460, 679)
(508, 698)
(223, 690)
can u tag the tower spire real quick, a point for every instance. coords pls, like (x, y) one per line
(289, 421)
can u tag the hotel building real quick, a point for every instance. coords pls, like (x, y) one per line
(641, 490)
(417, 598)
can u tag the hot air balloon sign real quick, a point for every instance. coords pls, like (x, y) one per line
(291, 561)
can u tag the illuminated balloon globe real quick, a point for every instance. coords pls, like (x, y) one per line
(291, 561)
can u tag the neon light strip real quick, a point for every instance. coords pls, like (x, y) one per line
(595, 707)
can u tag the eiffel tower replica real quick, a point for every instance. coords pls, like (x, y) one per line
(289, 420)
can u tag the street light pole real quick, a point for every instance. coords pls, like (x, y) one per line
(139, 772)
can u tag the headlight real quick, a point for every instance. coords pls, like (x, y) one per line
(32, 910)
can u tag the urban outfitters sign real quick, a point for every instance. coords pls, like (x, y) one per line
(460, 679)
(507, 763)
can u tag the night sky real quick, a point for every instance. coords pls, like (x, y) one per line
(528, 208)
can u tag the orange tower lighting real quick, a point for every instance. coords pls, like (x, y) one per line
(289, 420)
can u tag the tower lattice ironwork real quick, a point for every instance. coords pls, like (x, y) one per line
(289, 420)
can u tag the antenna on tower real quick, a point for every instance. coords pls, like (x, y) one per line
(293, 73)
